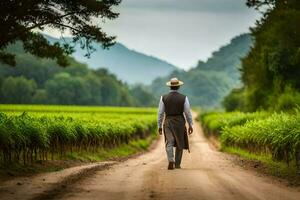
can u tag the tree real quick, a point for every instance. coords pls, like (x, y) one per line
(142, 96)
(40, 97)
(17, 90)
(67, 90)
(234, 100)
(94, 85)
(273, 63)
(258, 4)
(21, 19)
(110, 91)
(76, 84)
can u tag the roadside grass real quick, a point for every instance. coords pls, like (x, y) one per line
(122, 151)
(268, 142)
(267, 165)
(76, 159)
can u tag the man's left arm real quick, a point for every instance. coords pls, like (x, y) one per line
(160, 115)
(188, 114)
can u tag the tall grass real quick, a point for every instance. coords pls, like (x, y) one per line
(277, 134)
(214, 122)
(38, 135)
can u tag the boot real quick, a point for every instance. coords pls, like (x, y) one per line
(171, 165)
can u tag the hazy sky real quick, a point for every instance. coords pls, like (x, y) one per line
(180, 31)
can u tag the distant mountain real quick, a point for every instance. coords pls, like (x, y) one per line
(128, 65)
(210, 81)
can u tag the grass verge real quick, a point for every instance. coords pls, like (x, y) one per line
(75, 159)
(122, 151)
(264, 163)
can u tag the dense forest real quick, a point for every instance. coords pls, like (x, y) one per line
(271, 71)
(43, 81)
(208, 83)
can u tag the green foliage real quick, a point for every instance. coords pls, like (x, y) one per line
(277, 134)
(101, 154)
(38, 69)
(267, 164)
(76, 84)
(17, 90)
(273, 63)
(143, 96)
(234, 100)
(214, 122)
(65, 89)
(288, 100)
(40, 96)
(21, 21)
(41, 131)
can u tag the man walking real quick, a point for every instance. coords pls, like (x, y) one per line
(174, 106)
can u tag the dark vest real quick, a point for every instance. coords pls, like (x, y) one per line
(174, 103)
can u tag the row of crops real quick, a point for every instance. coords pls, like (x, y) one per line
(277, 134)
(30, 133)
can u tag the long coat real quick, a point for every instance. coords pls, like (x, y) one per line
(176, 126)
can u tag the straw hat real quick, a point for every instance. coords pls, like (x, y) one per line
(174, 82)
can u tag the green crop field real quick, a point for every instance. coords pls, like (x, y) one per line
(277, 134)
(29, 132)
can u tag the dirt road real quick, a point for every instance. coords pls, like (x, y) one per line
(205, 174)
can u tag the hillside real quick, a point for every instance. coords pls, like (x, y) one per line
(210, 81)
(128, 65)
(42, 81)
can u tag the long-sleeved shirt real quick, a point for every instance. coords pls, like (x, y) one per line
(187, 111)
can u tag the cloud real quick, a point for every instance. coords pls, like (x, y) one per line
(188, 5)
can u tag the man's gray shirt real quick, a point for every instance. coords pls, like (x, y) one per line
(187, 111)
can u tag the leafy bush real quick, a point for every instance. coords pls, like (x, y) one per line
(288, 101)
(234, 100)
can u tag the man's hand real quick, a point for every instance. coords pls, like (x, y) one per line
(190, 130)
(160, 131)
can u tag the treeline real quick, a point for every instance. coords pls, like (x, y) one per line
(271, 71)
(42, 81)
